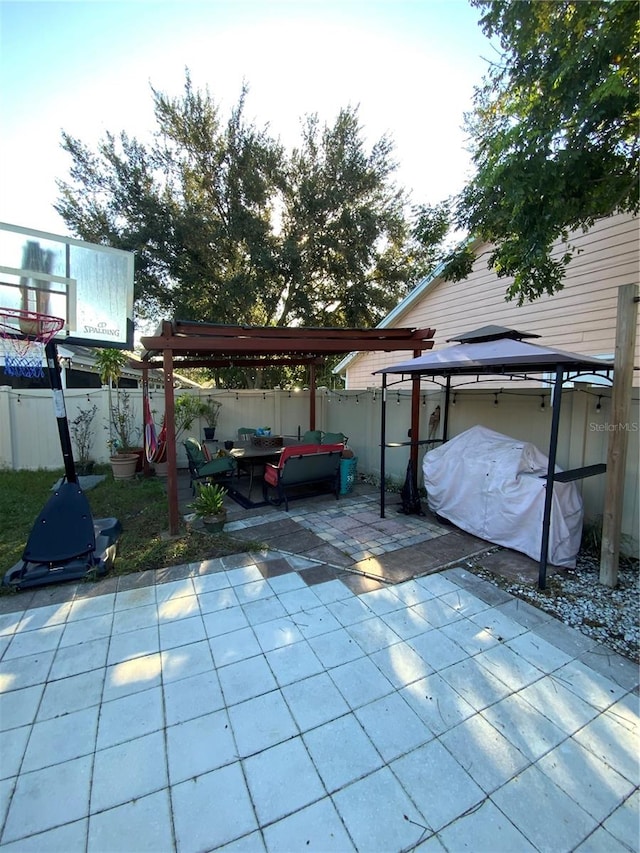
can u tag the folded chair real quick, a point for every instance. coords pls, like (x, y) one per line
(334, 438)
(245, 432)
(201, 468)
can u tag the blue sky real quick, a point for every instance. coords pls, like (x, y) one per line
(86, 66)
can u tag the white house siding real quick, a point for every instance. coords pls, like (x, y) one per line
(579, 318)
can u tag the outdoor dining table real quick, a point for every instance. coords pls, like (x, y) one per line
(249, 457)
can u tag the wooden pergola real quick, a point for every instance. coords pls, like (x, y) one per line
(180, 344)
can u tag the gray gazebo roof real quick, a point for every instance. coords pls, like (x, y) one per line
(503, 355)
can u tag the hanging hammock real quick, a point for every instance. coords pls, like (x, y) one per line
(150, 440)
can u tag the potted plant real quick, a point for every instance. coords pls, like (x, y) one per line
(186, 410)
(82, 436)
(125, 438)
(209, 412)
(124, 434)
(110, 363)
(209, 506)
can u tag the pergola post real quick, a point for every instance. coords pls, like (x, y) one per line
(146, 467)
(312, 396)
(383, 440)
(172, 456)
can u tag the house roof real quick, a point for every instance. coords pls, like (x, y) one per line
(502, 355)
(410, 299)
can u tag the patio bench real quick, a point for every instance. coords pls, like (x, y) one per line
(302, 465)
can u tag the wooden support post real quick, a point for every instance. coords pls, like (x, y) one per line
(312, 396)
(172, 461)
(146, 467)
(618, 432)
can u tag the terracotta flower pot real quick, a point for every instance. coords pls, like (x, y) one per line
(124, 465)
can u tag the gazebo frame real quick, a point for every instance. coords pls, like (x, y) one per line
(496, 351)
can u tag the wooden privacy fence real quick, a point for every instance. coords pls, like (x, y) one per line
(29, 437)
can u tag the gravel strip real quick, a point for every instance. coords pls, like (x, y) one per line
(577, 598)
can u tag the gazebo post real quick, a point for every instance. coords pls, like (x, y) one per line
(415, 425)
(551, 468)
(447, 400)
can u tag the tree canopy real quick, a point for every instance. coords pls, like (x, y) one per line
(554, 134)
(228, 226)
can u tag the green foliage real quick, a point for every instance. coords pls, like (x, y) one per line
(82, 435)
(210, 411)
(110, 363)
(187, 409)
(209, 500)
(126, 430)
(229, 227)
(554, 133)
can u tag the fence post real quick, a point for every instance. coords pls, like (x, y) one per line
(6, 433)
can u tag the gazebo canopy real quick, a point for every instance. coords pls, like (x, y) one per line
(506, 354)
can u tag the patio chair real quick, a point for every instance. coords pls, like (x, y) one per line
(334, 438)
(244, 433)
(201, 468)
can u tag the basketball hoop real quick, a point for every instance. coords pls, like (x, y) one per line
(23, 337)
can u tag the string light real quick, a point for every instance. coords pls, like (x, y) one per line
(599, 405)
(424, 401)
(357, 400)
(398, 398)
(453, 402)
(542, 406)
(495, 399)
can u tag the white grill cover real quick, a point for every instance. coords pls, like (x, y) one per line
(489, 485)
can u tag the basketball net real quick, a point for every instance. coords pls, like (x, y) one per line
(23, 337)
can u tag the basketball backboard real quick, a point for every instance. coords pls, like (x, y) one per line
(89, 286)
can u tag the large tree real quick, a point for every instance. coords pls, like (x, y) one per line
(554, 133)
(229, 227)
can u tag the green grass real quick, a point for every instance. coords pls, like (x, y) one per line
(140, 505)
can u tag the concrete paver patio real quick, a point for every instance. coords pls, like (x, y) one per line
(305, 699)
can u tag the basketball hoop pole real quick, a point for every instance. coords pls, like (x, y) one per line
(51, 353)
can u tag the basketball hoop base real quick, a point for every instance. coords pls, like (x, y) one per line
(65, 543)
(88, 567)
